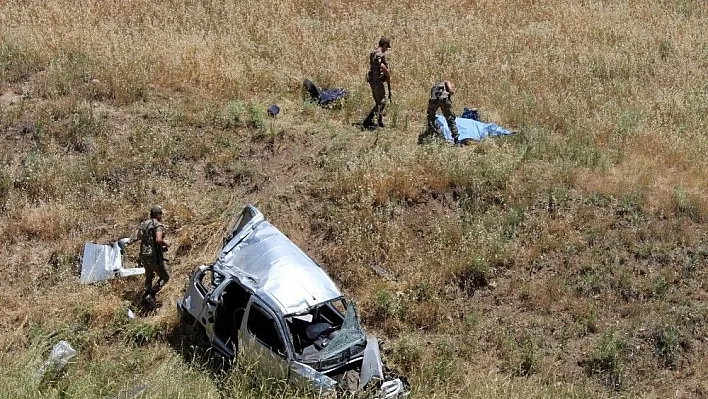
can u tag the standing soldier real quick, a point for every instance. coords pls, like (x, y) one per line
(151, 235)
(441, 97)
(377, 75)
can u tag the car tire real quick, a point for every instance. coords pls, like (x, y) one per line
(186, 324)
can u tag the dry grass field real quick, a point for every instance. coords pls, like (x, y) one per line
(569, 260)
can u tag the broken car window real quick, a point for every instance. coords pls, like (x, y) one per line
(322, 341)
(314, 326)
(341, 306)
(242, 220)
(333, 312)
(208, 280)
(348, 335)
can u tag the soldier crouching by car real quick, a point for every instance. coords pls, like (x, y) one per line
(151, 235)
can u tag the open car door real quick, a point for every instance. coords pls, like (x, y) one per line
(201, 285)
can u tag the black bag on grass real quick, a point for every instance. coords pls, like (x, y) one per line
(324, 97)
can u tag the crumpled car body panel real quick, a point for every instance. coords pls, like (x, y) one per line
(280, 268)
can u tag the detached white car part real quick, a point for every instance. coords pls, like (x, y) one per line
(103, 261)
(269, 304)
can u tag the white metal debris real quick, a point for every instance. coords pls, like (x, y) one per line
(101, 262)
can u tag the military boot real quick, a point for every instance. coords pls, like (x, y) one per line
(149, 300)
(369, 122)
(381, 123)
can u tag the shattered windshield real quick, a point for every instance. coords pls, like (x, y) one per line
(348, 335)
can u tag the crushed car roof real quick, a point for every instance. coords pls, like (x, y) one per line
(280, 268)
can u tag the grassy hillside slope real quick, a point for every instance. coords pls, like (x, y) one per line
(567, 261)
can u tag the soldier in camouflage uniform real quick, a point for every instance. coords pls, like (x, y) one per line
(151, 235)
(377, 75)
(441, 97)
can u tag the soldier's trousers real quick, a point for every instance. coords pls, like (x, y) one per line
(378, 91)
(446, 108)
(150, 270)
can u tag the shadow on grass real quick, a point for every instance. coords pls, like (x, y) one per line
(232, 380)
(191, 343)
(141, 307)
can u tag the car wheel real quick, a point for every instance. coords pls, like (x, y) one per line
(186, 324)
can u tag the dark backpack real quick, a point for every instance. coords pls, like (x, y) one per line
(470, 114)
(439, 92)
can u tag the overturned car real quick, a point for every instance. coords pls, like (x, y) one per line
(267, 303)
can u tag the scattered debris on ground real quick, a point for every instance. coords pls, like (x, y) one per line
(52, 368)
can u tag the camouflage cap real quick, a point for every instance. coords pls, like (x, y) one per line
(384, 41)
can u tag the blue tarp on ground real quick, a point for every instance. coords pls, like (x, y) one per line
(471, 129)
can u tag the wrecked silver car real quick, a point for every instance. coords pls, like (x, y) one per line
(268, 304)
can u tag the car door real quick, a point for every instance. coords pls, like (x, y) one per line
(212, 301)
(202, 284)
(262, 344)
